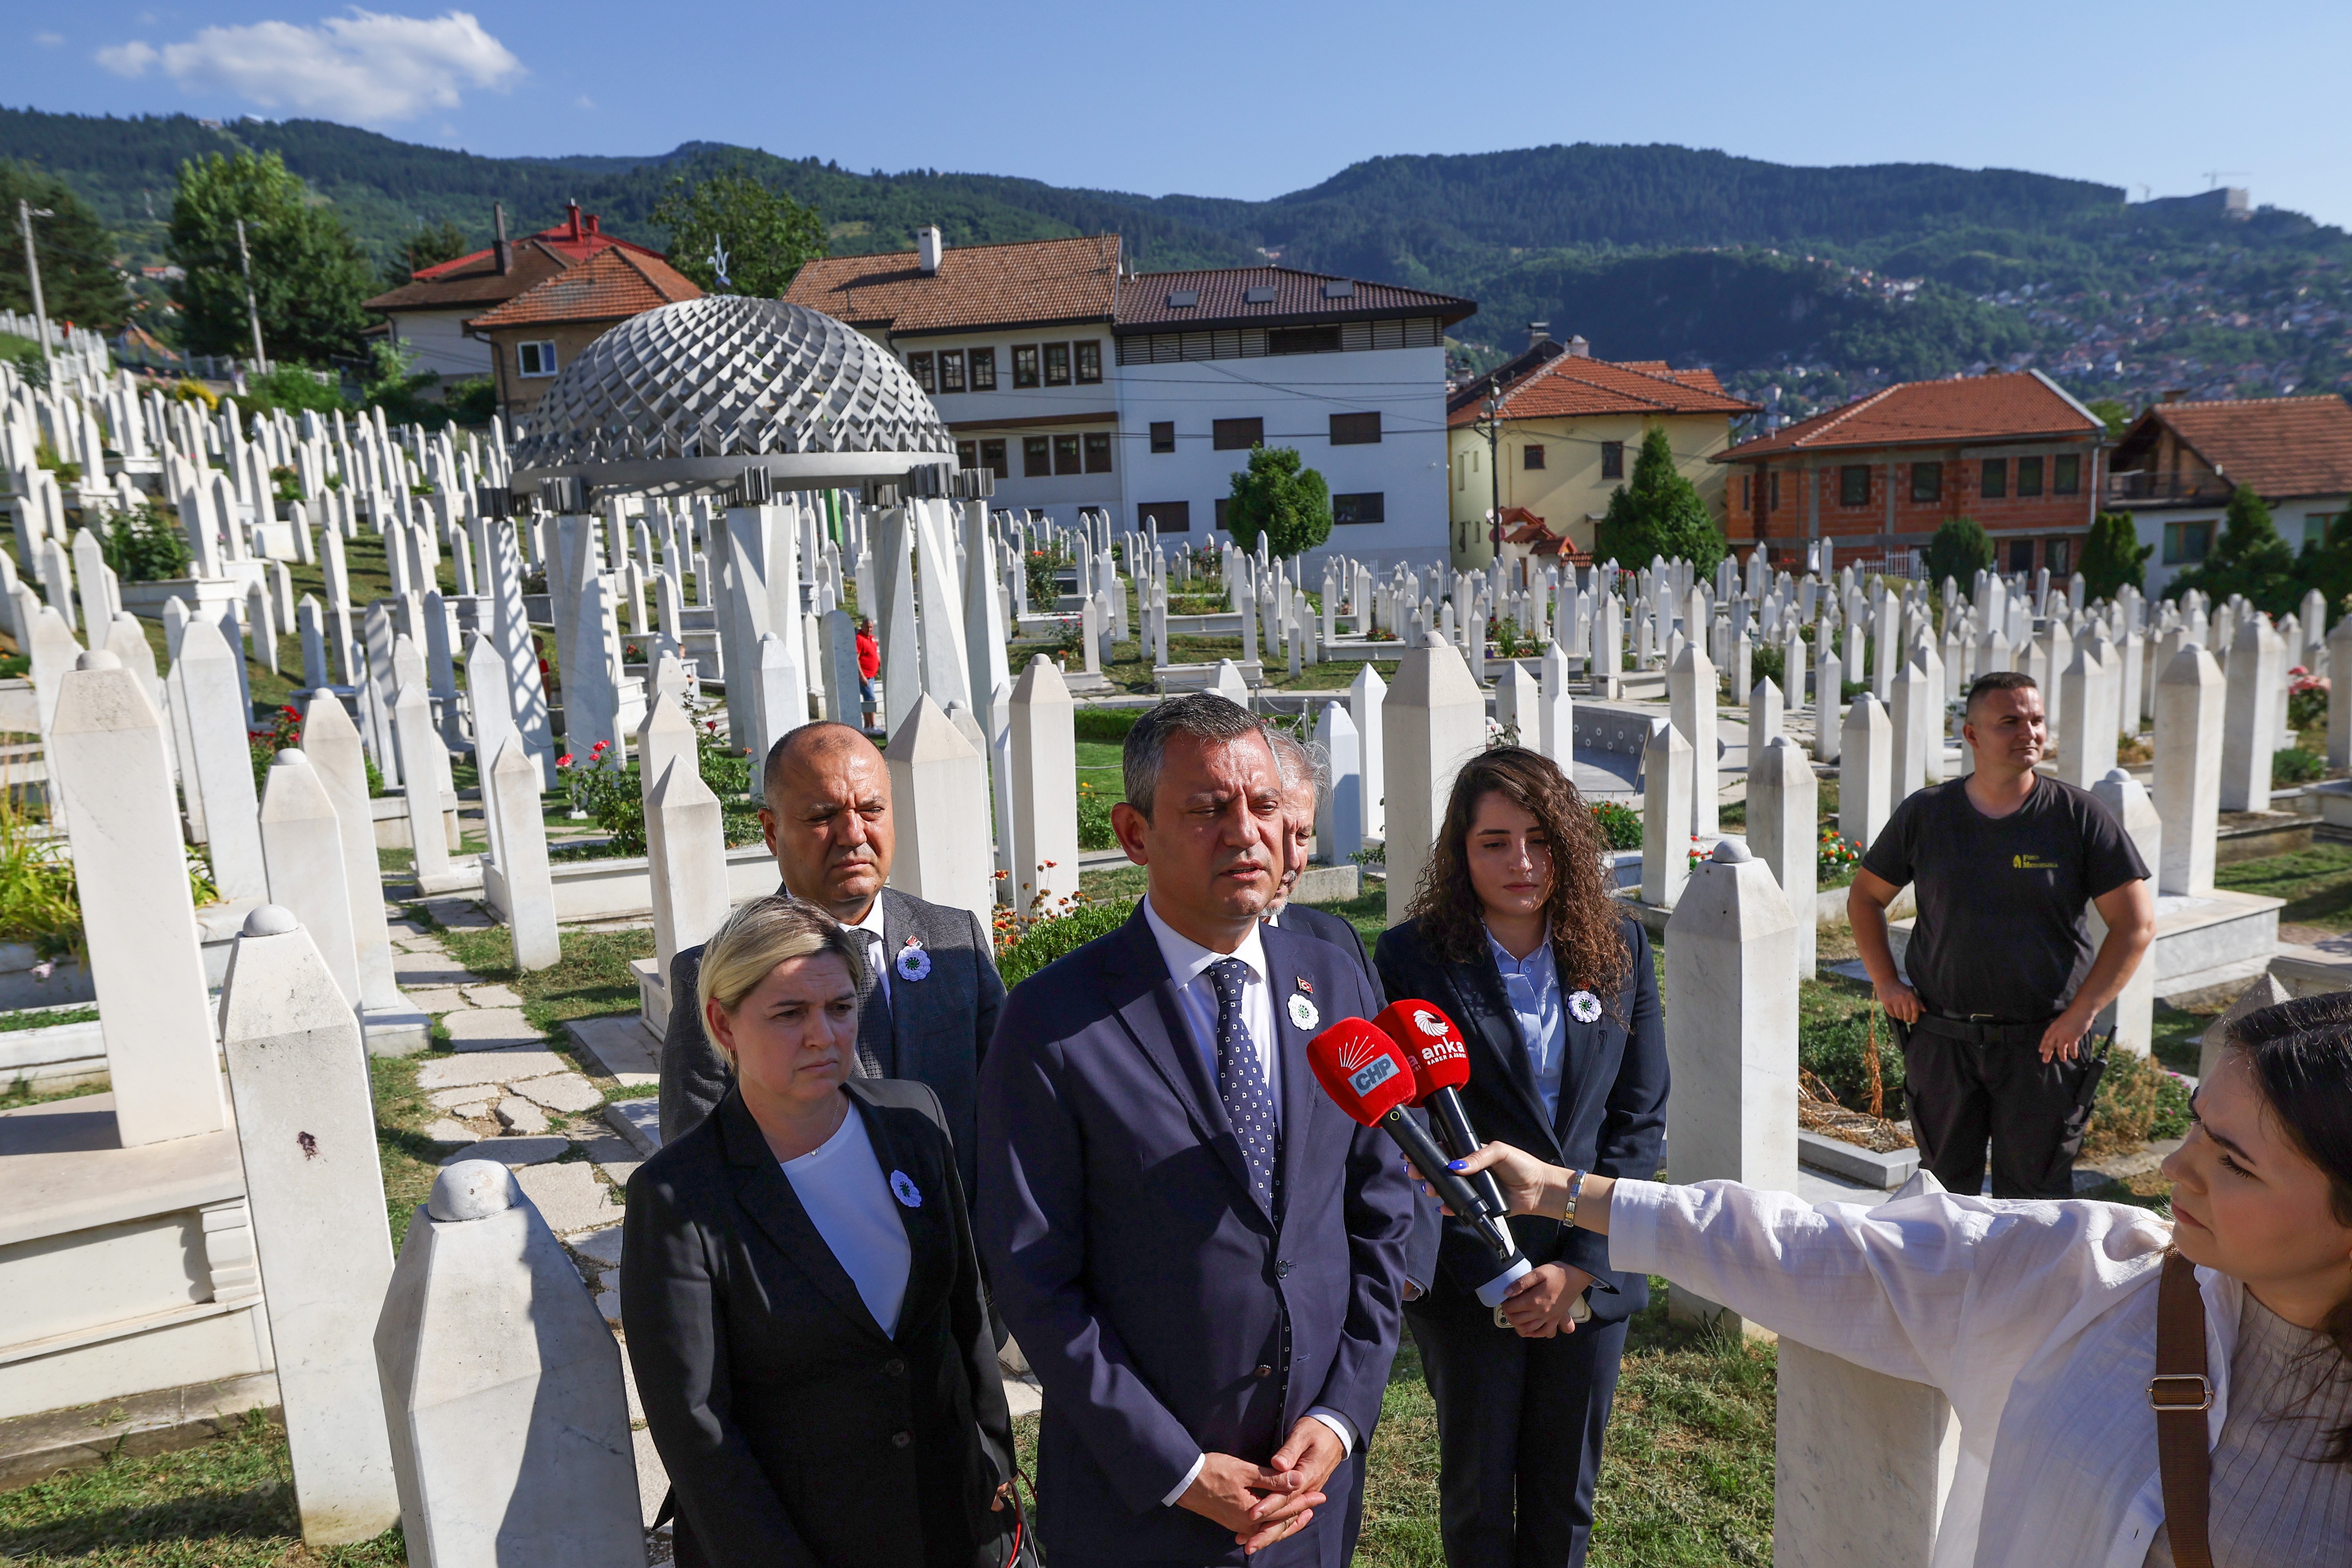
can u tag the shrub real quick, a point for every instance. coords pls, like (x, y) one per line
(1619, 824)
(1109, 724)
(2293, 765)
(1093, 819)
(1839, 856)
(1771, 663)
(2306, 700)
(1044, 569)
(606, 789)
(145, 546)
(283, 733)
(1959, 550)
(1021, 954)
(2139, 1102)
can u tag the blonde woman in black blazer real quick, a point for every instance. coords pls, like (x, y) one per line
(804, 1305)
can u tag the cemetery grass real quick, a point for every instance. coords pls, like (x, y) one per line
(227, 1504)
(2316, 884)
(591, 981)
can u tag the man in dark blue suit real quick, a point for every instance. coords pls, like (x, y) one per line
(1199, 1254)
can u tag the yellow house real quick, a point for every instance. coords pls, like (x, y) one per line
(1566, 436)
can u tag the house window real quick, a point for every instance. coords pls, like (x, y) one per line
(1853, 484)
(1612, 459)
(2020, 555)
(1355, 429)
(1995, 484)
(951, 370)
(2315, 526)
(2028, 477)
(2060, 554)
(1173, 516)
(991, 457)
(1774, 504)
(1089, 361)
(1163, 435)
(1746, 483)
(1057, 364)
(1371, 506)
(1037, 457)
(2186, 543)
(1302, 340)
(1099, 452)
(1024, 364)
(2066, 474)
(921, 365)
(967, 454)
(1926, 481)
(1531, 457)
(1222, 503)
(983, 369)
(1066, 454)
(1237, 435)
(535, 359)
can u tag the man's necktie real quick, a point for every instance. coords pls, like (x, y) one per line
(874, 1043)
(1241, 1083)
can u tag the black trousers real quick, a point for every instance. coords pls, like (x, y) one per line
(1519, 1425)
(1962, 1093)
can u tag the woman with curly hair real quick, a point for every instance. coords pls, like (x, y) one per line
(1514, 935)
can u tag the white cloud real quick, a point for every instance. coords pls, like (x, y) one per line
(365, 67)
(584, 101)
(48, 40)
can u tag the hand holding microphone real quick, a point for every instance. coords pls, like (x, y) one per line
(1440, 1066)
(1369, 1076)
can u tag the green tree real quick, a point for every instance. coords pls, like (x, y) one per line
(1659, 512)
(2250, 558)
(1277, 496)
(310, 277)
(766, 234)
(428, 246)
(2326, 565)
(2115, 413)
(1960, 550)
(80, 282)
(2114, 556)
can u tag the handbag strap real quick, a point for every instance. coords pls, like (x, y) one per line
(2180, 1397)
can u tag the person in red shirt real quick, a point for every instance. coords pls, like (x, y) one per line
(869, 664)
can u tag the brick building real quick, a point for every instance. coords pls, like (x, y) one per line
(537, 333)
(1879, 476)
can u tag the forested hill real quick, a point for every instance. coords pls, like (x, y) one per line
(1822, 281)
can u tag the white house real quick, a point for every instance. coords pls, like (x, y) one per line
(1082, 386)
(2177, 466)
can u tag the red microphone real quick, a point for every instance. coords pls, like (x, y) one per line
(1441, 1064)
(1369, 1077)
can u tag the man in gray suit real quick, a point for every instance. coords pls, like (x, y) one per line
(933, 991)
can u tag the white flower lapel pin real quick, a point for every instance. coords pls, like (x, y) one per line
(1585, 1007)
(903, 1188)
(1303, 1012)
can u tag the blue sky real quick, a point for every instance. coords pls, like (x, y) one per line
(1253, 100)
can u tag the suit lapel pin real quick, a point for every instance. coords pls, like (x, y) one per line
(1302, 1005)
(1585, 1007)
(903, 1188)
(914, 962)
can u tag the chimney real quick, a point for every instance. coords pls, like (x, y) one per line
(594, 225)
(1539, 332)
(501, 251)
(2174, 394)
(573, 209)
(1578, 348)
(929, 244)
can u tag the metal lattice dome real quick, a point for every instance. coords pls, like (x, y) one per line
(689, 396)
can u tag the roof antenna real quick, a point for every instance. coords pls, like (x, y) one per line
(718, 260)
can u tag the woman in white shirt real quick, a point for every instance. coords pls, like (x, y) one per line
(802, 1301)
(2037, 1320)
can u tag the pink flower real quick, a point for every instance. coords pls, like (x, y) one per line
(597, 750)
(564, 761)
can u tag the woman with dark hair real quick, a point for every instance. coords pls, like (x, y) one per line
(2054, 1327)
(1514, 935)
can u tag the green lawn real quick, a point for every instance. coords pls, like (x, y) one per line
(2316, 884)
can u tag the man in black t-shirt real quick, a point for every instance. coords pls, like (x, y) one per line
(2004, 984)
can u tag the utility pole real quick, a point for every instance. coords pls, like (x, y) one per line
(1494, 411)
(252, 309)
(26, 213)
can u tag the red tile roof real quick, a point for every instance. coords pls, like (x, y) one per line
(1222, 299)
(1573, 385)
(1031, 282)
(2281, 445)
(611, 286)
(473, 278)
(1934, 414)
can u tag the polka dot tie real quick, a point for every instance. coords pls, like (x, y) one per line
(1241, 1083)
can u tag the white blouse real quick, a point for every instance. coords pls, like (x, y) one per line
(840, 1183)
(2036, 1320)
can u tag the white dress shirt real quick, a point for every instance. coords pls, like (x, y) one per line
(1188, 964)
(840, 1183)
(2037, 1320)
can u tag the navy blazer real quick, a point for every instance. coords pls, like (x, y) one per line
(1322, 924)
(1613, 1102)
(1161, 1306)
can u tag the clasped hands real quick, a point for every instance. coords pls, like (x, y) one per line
(1261, 1504)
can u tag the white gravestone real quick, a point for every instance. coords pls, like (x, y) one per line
(302, 844)
(1433, 721)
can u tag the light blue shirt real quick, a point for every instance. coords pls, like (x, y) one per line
(1532, 986)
